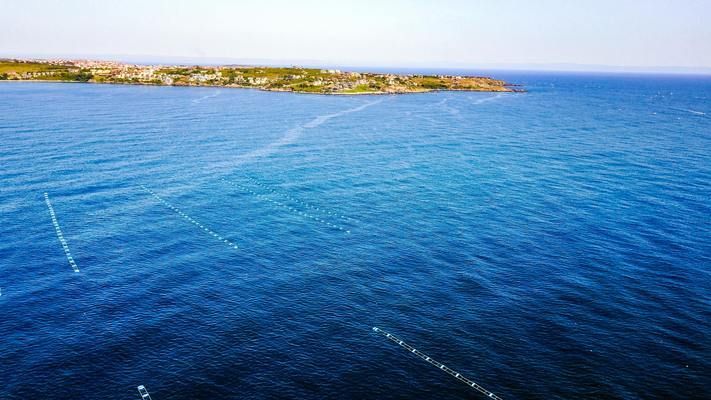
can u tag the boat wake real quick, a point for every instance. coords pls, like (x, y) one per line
(451, 110)
(686, 110)
(696, 112)
(203, 98)
(486, 99)
(294, 133)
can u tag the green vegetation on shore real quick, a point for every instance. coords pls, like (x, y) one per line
(19, 70)
(289, 79)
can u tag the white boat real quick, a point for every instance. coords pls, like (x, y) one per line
(144, 393)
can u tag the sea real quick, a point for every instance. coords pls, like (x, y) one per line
(216, 243)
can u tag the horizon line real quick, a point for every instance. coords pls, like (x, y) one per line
(311, 63)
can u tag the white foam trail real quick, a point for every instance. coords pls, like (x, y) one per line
(486, 99)
(272, 190)
(437, 364)
(277, 203)
(294, 133)
(426, 118)
(190, 219)
(686, 110)
(696, 112)
(209, 96)
(60, 236)
(445, 105)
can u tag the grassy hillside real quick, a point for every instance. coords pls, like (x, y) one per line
(10, 66)
(12, 69)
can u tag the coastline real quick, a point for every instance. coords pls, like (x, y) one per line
(294, 79)
(508, 87)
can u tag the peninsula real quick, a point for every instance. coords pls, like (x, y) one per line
(285, 79)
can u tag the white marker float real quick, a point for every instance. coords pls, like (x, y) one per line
(190, 219)
(60, 236)
(437, 364)
(272, 190)
(277, 203)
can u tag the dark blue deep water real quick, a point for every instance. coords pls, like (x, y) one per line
(554, 244)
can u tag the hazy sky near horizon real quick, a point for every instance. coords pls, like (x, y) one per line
(646, 33)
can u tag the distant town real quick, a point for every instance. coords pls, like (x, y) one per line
(286, 79)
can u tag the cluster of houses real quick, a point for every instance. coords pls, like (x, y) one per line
(30, 75)
(327, 80)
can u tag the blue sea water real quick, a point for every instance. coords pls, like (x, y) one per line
(551, 244)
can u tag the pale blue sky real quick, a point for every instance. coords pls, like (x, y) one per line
(651, 33)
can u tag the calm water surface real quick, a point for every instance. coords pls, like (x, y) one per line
(551, 244)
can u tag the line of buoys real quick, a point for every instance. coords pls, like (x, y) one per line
(273, 190)
(190, 219)
(437, 364)
(285, 206)
(60, 236)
